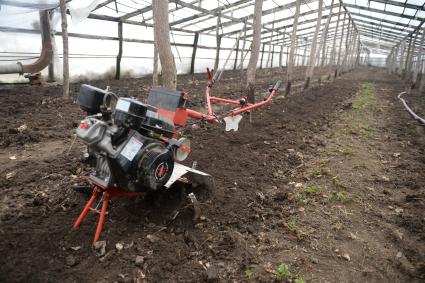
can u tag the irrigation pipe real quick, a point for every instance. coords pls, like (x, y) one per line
(414, 115)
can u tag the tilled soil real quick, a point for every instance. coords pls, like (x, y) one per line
(316, 185)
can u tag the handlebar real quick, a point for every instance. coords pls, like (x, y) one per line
(217, 75)
(277, 85)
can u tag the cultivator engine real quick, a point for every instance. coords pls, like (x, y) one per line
(135, 145)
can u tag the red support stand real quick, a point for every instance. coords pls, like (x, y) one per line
(107, 194)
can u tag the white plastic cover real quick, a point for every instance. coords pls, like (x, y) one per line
(232, 122)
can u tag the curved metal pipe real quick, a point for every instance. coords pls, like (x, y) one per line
(46, 51)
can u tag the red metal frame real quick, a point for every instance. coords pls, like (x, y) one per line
(211, 117)
(107, 194)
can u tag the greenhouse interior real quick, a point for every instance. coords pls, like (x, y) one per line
(212, 141)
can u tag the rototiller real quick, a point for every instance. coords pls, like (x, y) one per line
(135, 146)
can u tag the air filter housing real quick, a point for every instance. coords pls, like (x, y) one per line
(91, 98)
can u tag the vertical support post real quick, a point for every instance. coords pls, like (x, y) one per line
(403, 46)
(236, 55)
(218, 40)
(305, 51)
(51, 74)
(312, 58)
(394, 60)
(412, 54)
(358, 53)
(271, 62)
(270, 47)
(332, 58)
(161, 29)
(292, 51)
(51, 68)
(281, 50)
(155, 66)
(340, 46)
(217, 53)
(262, 56)
(324, 36)
(65, 49)
(296, 54)
(347, 46)
(418, 66)
(255, 47)
(119, 56)
(243, 45)
(195, 47)
(406, 63)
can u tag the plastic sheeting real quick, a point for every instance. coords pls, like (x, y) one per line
(78, 9)
(24, 14)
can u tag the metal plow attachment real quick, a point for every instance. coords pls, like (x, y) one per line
(195, 177)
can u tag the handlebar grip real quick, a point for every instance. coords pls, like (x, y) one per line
(217, 75)
(277, 85)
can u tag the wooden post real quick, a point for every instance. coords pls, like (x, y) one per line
(394, 52)
(340, 46)
(155, 76)
(327, 55)
(351, 48)
(162, 38)
(312, 58)
(406, 63)
(51, 68)
(418, 66)
(155, 80)
(195, 47)
(290, 64)
(119, 56)
(324, 47)
(357, 63)
(287, 56)
(243, 45)
(305, 51)
(262, 56)
(353, 51)
(296, 57)
(409, 70)
(324, 37)
(347, 46)
(65, 49)
(51, 72)
(332, 58)
(270, 48)
(255, 47)
(281, 50)
(400, 71)
(218, 40)
(395, 66)
(236, 56)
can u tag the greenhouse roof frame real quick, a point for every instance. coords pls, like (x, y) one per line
(374, 20)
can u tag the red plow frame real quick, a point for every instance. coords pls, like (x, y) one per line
(245, 106)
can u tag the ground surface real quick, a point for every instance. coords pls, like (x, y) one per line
(325, 186)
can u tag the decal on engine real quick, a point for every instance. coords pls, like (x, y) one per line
(123, 105)
(132, 148)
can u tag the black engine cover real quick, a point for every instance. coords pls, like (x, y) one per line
(91, 98)
(147, 163)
